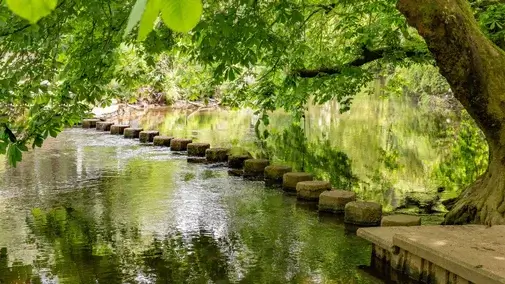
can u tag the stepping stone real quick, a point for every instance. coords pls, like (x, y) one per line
(274, 173)
(197, 149)
(217, 155)
(237, 161)
(400, 220)
(363, 213)
(289, 180)
(118, 129)
(148, 136)
(310, 190)
(334, 201)
(103, 126)
(89, 123)
(255, 167)
(132, 133)
(196, 160)
(179, 144)
(236, 172)
(162, 141)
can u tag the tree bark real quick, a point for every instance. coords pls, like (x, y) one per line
(475, 70)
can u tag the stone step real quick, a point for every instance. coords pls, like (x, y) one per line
(147, 136)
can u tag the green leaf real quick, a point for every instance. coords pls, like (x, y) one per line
(135, 15)
(181, 15)
(32, 10)
(14, 154)
(150, 15)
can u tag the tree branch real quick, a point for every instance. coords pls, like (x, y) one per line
(368, 56)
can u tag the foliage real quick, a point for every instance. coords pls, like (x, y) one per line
(263, 54)
(467, 159)
(319, 158)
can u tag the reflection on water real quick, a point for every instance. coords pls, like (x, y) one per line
(93, 208)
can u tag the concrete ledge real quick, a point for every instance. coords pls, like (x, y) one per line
(437, 254)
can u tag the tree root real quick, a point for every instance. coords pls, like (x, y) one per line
(482, 203)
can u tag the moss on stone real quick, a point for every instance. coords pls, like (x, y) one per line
(310, 190)
(163, 141)
(274, 173)
(334, 201)
(104, 126)
(217, 155)
(178, 144)
(197, 149)
(148, 136)
(400, 220)
(363, 213)
(289, 180)
(118, 129)
(255, 167)
(89, 123)
(132, 133)
(237, 162)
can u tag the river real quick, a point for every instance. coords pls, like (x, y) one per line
(89, 207)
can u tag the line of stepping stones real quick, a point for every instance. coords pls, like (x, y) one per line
(360, 213)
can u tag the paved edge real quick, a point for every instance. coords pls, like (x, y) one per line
(446, 261)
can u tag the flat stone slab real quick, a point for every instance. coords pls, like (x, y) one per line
(179, 144)
(197, 149)
(237, 161)
(196, 160)
(104, 126)
(89, 123)
(311, 190)
(363, 213)
(132, 133)
(118, 129)
(163, 141)
(400, 220)
(217, 155)
(147, 136)
(255, 167)
(474, 252)
(276, 172)
(289, 180)
(334, 201)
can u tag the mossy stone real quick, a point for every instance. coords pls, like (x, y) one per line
(334, 201)
(289, 180)
(310, 190)
(118, 129)
(104, 126)
(236, 172)
(196, 160)
(274, 173)
(217, 155)
(255, 167)
(178, 144)
(363, 213)
(400, 220)
(89, 123)
(132, 133)
(197, 149)
(237, 161)
(162, 141)
(148, 136)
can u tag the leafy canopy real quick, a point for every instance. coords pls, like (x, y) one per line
(60, 57)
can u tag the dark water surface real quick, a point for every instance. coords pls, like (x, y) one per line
(94, 208)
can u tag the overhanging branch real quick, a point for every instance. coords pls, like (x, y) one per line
(367, 57)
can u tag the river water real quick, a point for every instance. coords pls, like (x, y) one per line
(89, 207)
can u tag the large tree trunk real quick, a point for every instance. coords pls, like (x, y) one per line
(475, 69)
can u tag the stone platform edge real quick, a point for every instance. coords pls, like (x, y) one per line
(393, 239)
